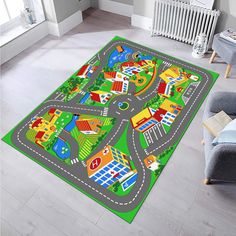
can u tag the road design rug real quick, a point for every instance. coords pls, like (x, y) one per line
(110, 129)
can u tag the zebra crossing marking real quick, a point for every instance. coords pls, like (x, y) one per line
(105, 111)
(73, 161)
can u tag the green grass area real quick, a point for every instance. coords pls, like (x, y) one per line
(154, 102)
(142, 141)
(80, 87)
(122, 143)
(63, 120)
(88, 143)
(30, 135)
(97, 63)
(106, 86)
(46, 116)
(166, 128)
(120, 191)
(124, 106)
(73, 82)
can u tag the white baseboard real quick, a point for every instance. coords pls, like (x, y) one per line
(19, 44)
(115, 7)
(141, 22)
(58, 29)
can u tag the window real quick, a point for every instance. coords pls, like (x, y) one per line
(106, 168)
(10, 10)
(19, 16)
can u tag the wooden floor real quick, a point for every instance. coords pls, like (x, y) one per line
(35, 202)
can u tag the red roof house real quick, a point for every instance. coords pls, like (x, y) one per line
(95, 97)
(51, 111)
(159, 114)
(82, 72)
(37, 122)
(117, 86)
(110, 74)
(128, 64)
(141, 63)
(164, 89)
(89, 126)
(39, 135)
(161, 88)
(100, 96)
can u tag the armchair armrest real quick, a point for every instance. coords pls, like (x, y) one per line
(221, 163)
(225, 101)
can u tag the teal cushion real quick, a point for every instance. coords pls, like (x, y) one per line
(227, 135)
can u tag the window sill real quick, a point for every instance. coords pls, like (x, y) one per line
(17, 31)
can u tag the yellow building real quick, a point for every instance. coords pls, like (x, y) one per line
(168, 105)
(45, 128)
(173, 76)
(172, 111)
(142, 118)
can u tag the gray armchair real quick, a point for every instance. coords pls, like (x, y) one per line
(220, 159)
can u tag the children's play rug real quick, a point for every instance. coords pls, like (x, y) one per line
(110, 129)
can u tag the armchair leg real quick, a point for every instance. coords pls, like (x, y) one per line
(212, 57)
(207, 181)
(228, 69)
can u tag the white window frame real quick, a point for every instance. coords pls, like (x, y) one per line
(12, 21)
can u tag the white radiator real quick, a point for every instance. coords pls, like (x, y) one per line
(181, 21)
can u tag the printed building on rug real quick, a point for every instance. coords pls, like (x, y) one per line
(151, 163)
(147, 118)
(164, 90)
(173, 76)
(172, 111)
(115, 76)
(120, 82)
(108, 166)
(131, 67)
(89, 126)
(100, 96)
(44, 127)
(86, 71)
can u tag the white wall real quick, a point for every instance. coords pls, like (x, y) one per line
(120, 7)
(66, 8)
(144, 8)
(228, 14)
